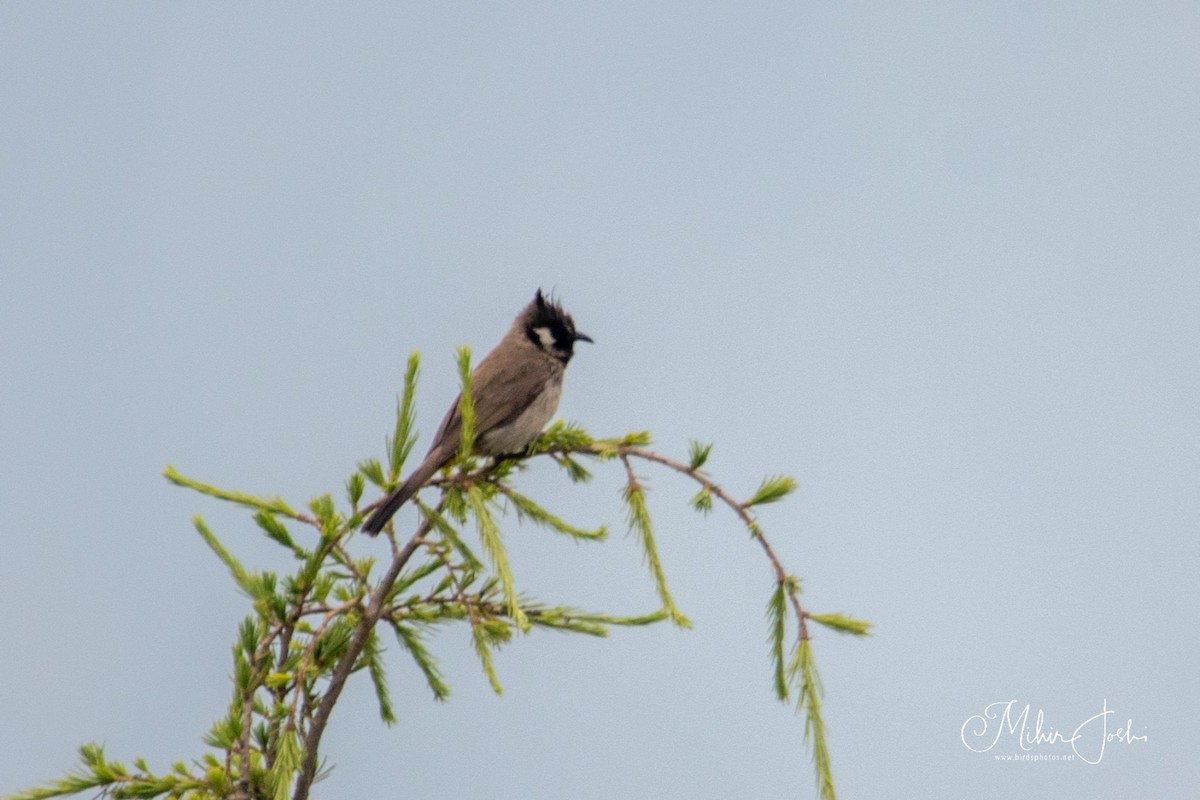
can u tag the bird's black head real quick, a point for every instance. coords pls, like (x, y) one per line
(551, 328)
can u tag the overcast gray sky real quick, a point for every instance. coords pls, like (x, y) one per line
(938, 261)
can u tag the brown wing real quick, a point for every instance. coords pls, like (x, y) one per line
(501, 392)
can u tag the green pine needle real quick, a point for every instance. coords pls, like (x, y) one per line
(776, 615)
(372, 470)
(772, 489)
(466, 404)
(409, 577)
(78, 780)
(575, 471)
(572, 619)
(411, 639)
(564, 435)
(354, 488)
(225, 731)
(636, 439)
(113, 779)
(484, 640)
(287, 763)
(333, 642)
(274, 505)
(240, 575)
(843, 624)
(248, 634)
(400, 445)
(450, 534)
(639, 523)
(493, 547)
(528, 509)
(277, 532)
(561, 619)
(373, 658)
(698, 454)
(324, 510)
(803, 670)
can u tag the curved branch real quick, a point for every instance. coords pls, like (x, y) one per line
(625, 452)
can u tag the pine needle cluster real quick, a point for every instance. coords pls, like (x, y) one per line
(310, 630)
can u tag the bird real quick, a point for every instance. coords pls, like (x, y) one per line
(515, 388)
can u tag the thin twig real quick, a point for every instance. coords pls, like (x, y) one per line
(627, 451)
(345, 665)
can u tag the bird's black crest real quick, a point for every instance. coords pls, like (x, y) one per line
(547, 314)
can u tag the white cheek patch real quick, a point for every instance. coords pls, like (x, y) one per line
(545, 337)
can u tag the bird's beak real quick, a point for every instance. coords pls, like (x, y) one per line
(583, 337)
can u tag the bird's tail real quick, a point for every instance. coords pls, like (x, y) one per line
(391, 504)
